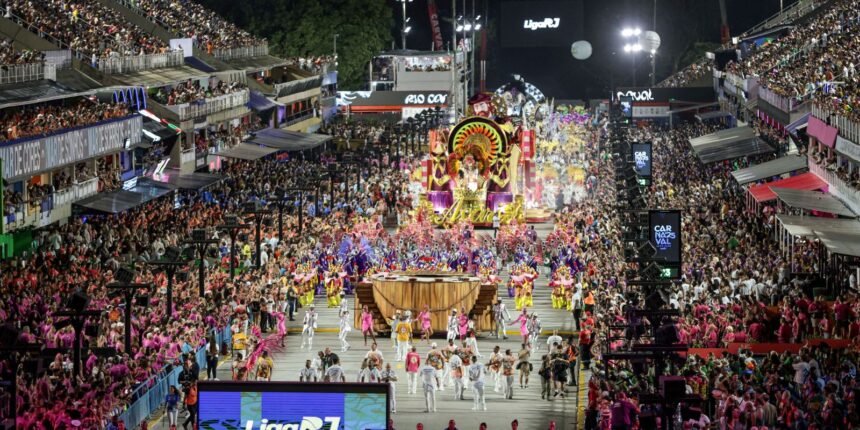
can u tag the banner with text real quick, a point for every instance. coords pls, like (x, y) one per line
(29, 157)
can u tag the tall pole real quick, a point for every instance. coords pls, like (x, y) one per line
(335, 43)
(301, 211)
(654, 53)
(403, 26)
(454, 72)
(472, 51)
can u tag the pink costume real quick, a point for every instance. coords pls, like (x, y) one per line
(366, 321)
(464, 325)
(523, 320)
(424, 317)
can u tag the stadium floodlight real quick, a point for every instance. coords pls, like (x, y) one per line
(407, 29)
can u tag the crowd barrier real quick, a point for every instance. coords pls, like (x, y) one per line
(211, 105)
(136, 63)
(766, 348)
(227, 54)
(17, 73)
(151, 394)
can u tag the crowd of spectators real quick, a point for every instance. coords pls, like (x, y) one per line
(689, 74)
(43, 119)
(817, 59)
(85, 254)
(313, 64)
(736, 286)
(193, 91)
(89, 27)
(9, 54)
(192, 20)
(439, 66)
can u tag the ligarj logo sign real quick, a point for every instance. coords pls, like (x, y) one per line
(546, 23)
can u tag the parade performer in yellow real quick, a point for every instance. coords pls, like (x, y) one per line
(334, 285)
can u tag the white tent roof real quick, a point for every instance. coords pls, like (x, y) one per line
(806, 226)
(768, 169)
(813, 201)
(840, 243)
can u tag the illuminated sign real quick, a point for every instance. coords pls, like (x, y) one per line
(292, 406)
(546, 23)
(642, 159)
(665, 235)
(29, 157)
(420, 99)
(638, 96)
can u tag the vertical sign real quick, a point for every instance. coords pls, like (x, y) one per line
(664, 231)
(434, 25)
(642, 159)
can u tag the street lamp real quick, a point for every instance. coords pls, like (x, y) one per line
(170, 264)
(647, 41)
(253, 208)
(200, 242)
(232, 226)
(405, 28)
(129, 290)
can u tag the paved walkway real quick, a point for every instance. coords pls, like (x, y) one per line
(526, 406)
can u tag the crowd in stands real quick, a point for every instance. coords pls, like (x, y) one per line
(817, 59)
(90, 28)
(193, 91)
(435, 67)
(689, 74)
(313, 64)
(736, 286)
(9, 54)
(192, 20)
(43, 119)
(86, 256)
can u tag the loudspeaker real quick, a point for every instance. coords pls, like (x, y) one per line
(673, 388)
(181, 276)
(78, 301)
(198, 234)
(142, 301)
(124, 275)
(91, 330)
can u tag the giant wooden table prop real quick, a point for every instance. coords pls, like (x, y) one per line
(441, 291)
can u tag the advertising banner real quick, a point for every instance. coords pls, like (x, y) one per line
(434, 25)
(292, 406)
(665, 234)
(392, 98)
(848, 148)
(539, 24)
(24, 158)
(642, 159)
(666, 95)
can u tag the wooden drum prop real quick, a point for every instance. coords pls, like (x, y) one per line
(440, 291)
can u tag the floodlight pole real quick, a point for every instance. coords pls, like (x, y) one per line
(78, 319)
(258, 221)
(200, 245)
(13, 351)
(170, 268)
(232, 229)
(128, 289)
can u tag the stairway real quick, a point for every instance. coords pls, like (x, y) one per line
(364, 296)
(483, 308)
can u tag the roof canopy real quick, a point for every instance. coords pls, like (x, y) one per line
(728, 144)
(712, 115)
(840, 243)
(813, 201)
(286, 140)
(247, 151)
(769, 169)
(806, 181)
(121, 200)
(805, 226)
(161, 77)
(185, 181)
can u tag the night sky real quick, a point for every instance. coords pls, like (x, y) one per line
(559, 75)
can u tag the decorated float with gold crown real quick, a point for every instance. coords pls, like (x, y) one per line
(483, 165)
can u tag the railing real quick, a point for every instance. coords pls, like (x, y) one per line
(187, 156)
(151, 394)
(794, 11)
(783, 103)
(60, 58)
(77, 192)
(837, 186)
(848, 128)
(240, 52)
(50, 208)
(211, 105)
(17, 73)
(136, 63)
